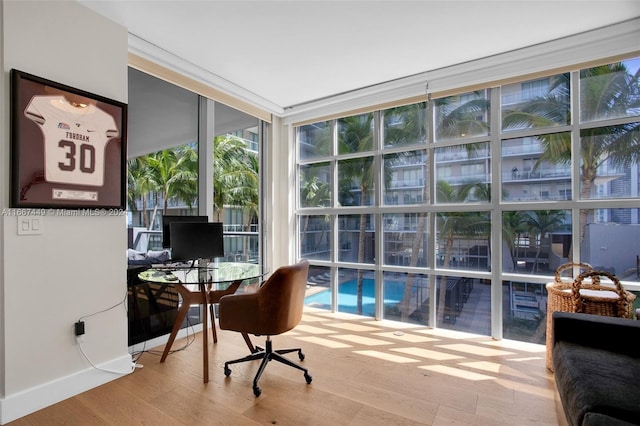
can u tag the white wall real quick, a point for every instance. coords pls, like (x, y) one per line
(77, 266)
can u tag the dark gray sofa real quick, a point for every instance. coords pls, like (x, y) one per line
(596, 360)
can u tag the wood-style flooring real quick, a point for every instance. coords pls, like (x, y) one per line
(365, 372)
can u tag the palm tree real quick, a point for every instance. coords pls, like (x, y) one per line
(236, 180)
(415, 251)
(314, 192)
(185, 181)
(247, 195)
(513, 226)
(167, 174)
(540, 223)
(175, 174)
(452, 225)
(462, 118)
(139, 184)
(355, 134)
(606, 91)
(229, 169)
(458, 117)
(320, 137)
(407, 125)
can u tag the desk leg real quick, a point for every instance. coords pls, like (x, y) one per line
(212, 315)
(182, 314)
(205, 333)
(247, 340)
(214, 297)
(191, 298)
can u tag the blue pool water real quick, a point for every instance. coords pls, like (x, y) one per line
(348, 296)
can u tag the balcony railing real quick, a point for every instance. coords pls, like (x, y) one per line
(240, 228)
(537, 174)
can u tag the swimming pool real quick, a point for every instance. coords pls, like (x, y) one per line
(348, 296)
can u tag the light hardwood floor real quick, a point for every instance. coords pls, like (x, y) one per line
(365, 372)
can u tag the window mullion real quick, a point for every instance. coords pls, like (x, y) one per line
(495, 147)
(575, 164)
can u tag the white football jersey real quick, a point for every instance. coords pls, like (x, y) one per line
(75, 139)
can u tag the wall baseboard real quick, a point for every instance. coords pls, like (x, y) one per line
(18, 405)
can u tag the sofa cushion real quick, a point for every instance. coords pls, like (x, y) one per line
(594, 380)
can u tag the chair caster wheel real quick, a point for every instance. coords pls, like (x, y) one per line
(301, 356)
(308, 378)
(227, 371)
(257, 391)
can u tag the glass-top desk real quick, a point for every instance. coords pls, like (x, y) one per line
(204, 286)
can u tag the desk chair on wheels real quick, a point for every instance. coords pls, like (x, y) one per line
(276, 307)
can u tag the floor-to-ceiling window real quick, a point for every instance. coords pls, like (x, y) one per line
(455, 212)
(171, 131)
(236, 185)
(164, 171)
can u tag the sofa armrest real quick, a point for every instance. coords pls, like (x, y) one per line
(614, 334)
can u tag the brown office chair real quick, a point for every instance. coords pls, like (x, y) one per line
(276, 307)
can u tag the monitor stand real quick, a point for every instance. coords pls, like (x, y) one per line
(203, 270)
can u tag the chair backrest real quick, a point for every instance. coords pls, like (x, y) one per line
(282, 297)
(274, 309)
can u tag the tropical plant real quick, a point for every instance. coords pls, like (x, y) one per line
(513, 226)
(172, 174)
(175, 174)
(458, 116)
(452, 225)
(606, 91)
(319, 136)
(314, 192)
(415, 250)
(232, 177)
(406, 125)
(139, 184)
(168, 174)
(355, 134)
(462, 116)
(540, 223)
(246, 195)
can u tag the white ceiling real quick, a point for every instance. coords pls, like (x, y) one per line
(292, 52)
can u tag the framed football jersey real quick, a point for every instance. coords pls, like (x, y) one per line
(68, 146)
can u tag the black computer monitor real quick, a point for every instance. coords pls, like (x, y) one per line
(196, 240)
(166, 230)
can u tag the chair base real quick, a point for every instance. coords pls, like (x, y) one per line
(268, 354)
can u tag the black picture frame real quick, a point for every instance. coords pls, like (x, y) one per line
(68, 146)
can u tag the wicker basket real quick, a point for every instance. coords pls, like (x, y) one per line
(559, 299)
(591, 297)
(599, 299)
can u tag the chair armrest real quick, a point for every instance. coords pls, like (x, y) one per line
(609, 333)
(239, 312)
